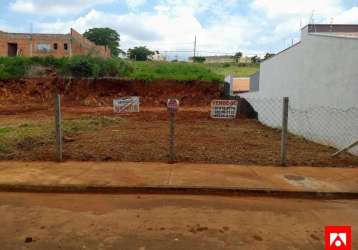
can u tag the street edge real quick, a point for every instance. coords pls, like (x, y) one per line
(176, 190)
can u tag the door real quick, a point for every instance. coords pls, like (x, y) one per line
(12, 49)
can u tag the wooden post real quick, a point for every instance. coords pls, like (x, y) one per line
(171, 137)
(58, 128)
(284, 131)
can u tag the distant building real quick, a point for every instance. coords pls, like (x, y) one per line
(225, 59)
(157, 57)
(58, 45)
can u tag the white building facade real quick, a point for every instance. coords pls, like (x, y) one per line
(320, 76)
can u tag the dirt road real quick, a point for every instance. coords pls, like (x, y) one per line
(41, 221)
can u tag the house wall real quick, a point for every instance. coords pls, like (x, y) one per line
(27, 44)
(81, 45)
(320, 77)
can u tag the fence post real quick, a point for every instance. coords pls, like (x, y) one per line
(58, 128)
(284, 131)
(171, 137)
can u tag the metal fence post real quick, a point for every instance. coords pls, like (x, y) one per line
(58, 128)
(171, 137)
(284, 131)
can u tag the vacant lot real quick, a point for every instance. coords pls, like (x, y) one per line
(98, 134)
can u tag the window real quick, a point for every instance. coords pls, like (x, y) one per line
(55, 46)
(43, 47)
(65, 46)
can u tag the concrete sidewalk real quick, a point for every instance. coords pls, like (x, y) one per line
(25, 176)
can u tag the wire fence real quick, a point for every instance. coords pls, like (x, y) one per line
(95, 132)
(325, 125)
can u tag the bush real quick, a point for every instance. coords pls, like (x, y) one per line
(13, 67)
(243, 64)
(226, 65)
(76, 66)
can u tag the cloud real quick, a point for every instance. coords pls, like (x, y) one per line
(163, 29)
(349, 16)
(133, 4)
(220, 26)
(56, 8)
(303, 8)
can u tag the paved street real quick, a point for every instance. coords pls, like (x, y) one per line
(145, 222)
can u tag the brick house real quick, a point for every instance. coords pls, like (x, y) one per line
(58, 45)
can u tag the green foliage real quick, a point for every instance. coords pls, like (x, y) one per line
(105, 36)
(172, 71)
(268, 55)
(255, 59)
(140, 53)
(13, 67)
(76, 66)
(234, 69)
(226, 65)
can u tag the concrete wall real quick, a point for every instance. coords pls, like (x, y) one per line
(320, 77)
(255, 82)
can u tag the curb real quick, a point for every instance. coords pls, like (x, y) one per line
(177, 190)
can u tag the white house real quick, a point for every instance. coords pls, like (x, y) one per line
(157, 57)
(320, 76)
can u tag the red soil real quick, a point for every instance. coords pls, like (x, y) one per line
(102, 92)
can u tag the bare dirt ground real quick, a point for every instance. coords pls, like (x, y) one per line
(143, 137)
(144, 222)
(93, 132)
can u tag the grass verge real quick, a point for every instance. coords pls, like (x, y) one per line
(27, 136)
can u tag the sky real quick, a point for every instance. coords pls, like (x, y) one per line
(221, 26)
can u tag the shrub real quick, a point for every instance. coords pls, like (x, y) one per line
(76, 66)
(13, 67)
(226, 65)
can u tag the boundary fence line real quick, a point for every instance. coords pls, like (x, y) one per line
(325, 125)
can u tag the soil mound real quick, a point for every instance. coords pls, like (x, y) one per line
(101, 92)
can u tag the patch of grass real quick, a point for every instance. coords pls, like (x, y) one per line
(4, 130)
(29, 135)
(225, 69)
(74, 126)
(172, 71)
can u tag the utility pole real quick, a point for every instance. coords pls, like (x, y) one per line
(194, 47)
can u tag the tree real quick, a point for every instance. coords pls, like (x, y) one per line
(237, 56)
(140, 53)
(106, 37)
(255, 59)
(268, 55)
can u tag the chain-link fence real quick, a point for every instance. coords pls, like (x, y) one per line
(325, 125)
(92, 131)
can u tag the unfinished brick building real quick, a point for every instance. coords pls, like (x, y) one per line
(58, 45)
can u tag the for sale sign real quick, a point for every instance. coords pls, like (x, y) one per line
(224, 109)
(126, 104)
(338, 238)
(173, 105)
